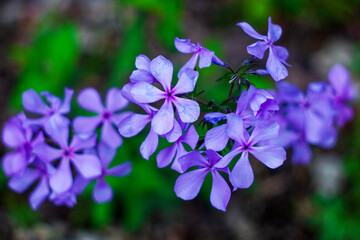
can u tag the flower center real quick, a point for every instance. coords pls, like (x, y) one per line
(106, 115)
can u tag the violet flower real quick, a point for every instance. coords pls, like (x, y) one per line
(142, 74)
(188, 110)
(272, 156)
(206, 57)
(277, 54)
(19, 138)
(188, 184)
(108, 116)
(87, 165)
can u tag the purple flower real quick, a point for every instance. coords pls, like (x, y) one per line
(277, 54)
(177, 150)
(135, 123)
(39, 171)
(20, 138)
(343, 91)
(143, 92)
(142, 74)
(206, 57)
(87, 165)
(272, 156)
(108, 116)
(55, 108)
(188, 184)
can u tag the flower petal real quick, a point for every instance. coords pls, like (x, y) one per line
(205, 57)
(181, 151)
(275, 67)
(90, 99)
(88, 165)
(110, 135)
(102, 191)
(106, 154)
(144, 92)
(141, 76)
(62, 180)
(166, 156)
(301, 152)
(33, 103)
(14, 163)
(133, 124)
(175, 132)
(185, 45)
(83, 141)
(148, 147)
(189, 64)
(193, 159)
(40, 193)
(214, 117)
(235, 128)
(258, 49)
(162, 69)
(188, 185)
(274, 31)
(12, 135)
(163, 120)
(250, 31)
(339, 78)
(216, 138)
(188, 110)
(66, 104)
(264, 131)
(187, 81)
(120, 170)
(191, 137)
(19, 183)
(220, 191)
(86, 124)
(142, 62)
(115, 100)
(47, 153)
(242, 175)
(227, 158)
(271, 156)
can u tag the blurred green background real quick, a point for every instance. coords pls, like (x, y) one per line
(47, 45)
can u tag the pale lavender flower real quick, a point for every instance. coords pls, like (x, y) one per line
(188, 184)
(108, 116)
(19, 138)
(205, 56)
(277, 54)
(142, 74)
(272, 156)
(143, 92)
(87, 165)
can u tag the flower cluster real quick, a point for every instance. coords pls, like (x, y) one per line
(251, 122)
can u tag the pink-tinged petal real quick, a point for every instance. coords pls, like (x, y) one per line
(216, 138)
(191, 137)
(144, 92)
(86, 124)
(120, 170)
(264, 131)
(88, 165)
(189, 64)
(148, 147)
(275, 67)
(166, 156)
(185, 45)
(163, 120)
(188, 110)
(205, 58)
(133, 124)
(33, 103)
(242, 175)
(12, 135)
(102, 191)
(274, 31)
(339, 78)
(40, 193)
(66, 105)
(186, 82)
(14, 163)
(302, 153)
(142, 62)
(181, 151)
(82, 141)
(47, 153)
(19, 183)
(193, 159)
(110, 135)
(58, 130)
(251, 31)
(106, 154)
(258, 49)
(115, 100)
(220, 191)
(162, 69)
(188, 185)
(141, 76)
(271, 156)
(235, 128)
(62, 180)
(90, 100)
(175, 132)
(227, 158)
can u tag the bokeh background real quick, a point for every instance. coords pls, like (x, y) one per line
(50, 44)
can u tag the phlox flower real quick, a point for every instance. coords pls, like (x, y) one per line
(142, 73)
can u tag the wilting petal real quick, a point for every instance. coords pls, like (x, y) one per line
(264, 131)
(162, 69)
(242, 175)
(163, 120)
(142, 62)
(83, 141)
(19, 183)
(47, 153)
(258, 49)
(90, 99)
(40, 194)
(188, 185)
(189, 64)
(271, 156)
(166, 156)
(133, 124)
(120, 170)
(250, 31)
(14, 163)
(144, 92)
(186, 82)
(235, 127)
(86, 124)
(185, 46)
(33, 103)
(66, 105)
(188, 110)
(141, 76)
(205, 58)
(106, 154)
(102, 191)
(62, 180)
(274, 31)
(216, 138)
(220, 191)
(12, 135)
(275, 67)
(110, 135)
(148, 147)
(301, 152)
(191, 137)
(115, 100)
(88, 165)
